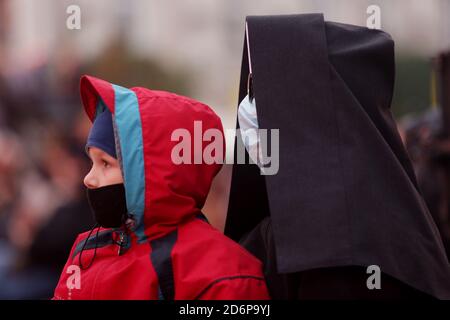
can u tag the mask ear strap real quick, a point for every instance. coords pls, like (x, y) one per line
(84, 245)
(249, 78)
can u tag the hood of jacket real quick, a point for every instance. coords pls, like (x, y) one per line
(160, 193)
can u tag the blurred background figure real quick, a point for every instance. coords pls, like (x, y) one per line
(192, 48)
(427, 139)
(430, 155)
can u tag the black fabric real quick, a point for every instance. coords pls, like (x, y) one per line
(162, 262)
(349, 283)
(103, 239)
(336, 283)
(345, 193)
(108, 205)
(259, 241)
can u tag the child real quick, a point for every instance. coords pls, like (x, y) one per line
(152, 240)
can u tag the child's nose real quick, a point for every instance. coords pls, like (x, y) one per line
(90, 180)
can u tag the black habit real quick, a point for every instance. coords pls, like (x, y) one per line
(345, 193)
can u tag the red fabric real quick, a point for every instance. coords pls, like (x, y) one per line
(91, 89)
(206, 264)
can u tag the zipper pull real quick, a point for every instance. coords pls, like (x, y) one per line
(119, 251)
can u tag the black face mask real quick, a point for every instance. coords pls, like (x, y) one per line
(108, 205)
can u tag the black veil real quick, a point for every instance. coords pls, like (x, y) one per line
(345, 193)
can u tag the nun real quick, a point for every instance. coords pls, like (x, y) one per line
(342, 217)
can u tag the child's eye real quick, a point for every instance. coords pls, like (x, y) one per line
(105, 164)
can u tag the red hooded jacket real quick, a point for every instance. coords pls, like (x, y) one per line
(172, 252)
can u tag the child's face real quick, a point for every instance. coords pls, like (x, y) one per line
(105, 170)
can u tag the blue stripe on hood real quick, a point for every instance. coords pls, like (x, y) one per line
(128, 125)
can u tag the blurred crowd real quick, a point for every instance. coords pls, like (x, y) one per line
(429, 149)
(42, 201)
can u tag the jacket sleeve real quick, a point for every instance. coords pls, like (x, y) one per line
(237, 288)
(61, 287)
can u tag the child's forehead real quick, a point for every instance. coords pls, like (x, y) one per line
(93, 152)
